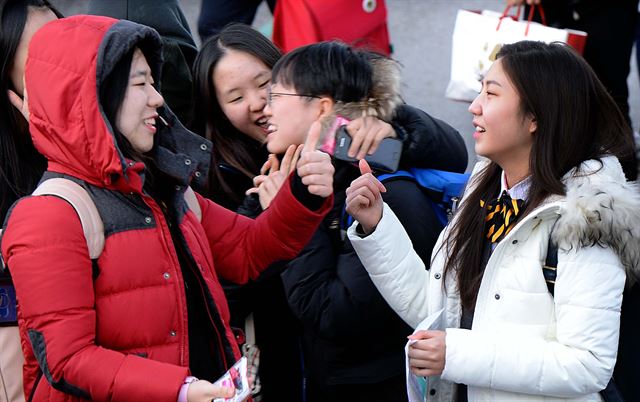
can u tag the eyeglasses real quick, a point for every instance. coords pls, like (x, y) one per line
(270, 96)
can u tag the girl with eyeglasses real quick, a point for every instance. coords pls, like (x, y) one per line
(553, 140)
(352, 341)
(232, 77)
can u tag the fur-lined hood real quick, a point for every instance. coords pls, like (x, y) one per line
(382, 101)
(601, 207)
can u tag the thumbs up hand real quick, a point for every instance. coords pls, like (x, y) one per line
(314, 167)
(364, 198)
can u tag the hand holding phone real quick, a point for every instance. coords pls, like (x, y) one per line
(235, 377)
(367, 132)
(385, 159)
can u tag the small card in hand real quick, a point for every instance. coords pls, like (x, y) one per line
(236, 377)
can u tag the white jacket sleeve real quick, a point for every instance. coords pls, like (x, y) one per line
(580, 360)
(394, 267)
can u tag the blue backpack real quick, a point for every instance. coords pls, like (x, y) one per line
(443, 188)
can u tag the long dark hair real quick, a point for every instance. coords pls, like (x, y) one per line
(577, 120)
(229, 144)
(21, 165)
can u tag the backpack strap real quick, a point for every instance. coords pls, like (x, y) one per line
(90, 219)
(192, 203)
(398, 173)
(82, 202)
(550, 267)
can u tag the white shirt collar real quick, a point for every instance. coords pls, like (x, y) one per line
(519, 191)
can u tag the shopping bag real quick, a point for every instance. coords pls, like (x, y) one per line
(478, 36)
(361, 23)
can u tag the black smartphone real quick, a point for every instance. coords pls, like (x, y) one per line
(385, 159)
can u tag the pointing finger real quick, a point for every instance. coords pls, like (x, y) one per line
(275, 163)
(285, 165)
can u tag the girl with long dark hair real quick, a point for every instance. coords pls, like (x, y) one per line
(553, 139)
(229, 111)
(21, 165)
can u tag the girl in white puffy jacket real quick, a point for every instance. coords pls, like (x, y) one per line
(553, 140)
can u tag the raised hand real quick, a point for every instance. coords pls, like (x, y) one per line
(314, 167)
(204, 391)
(366, 135)
(274, 174)
(364, 198)
(427, 355)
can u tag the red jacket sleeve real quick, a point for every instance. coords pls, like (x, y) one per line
(243, 247)
(46, 252)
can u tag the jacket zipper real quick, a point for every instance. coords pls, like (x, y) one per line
(200, 279)
(204, 292)
(163, 227)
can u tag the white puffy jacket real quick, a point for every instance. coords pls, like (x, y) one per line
(524, 343)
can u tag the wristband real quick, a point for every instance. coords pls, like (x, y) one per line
(182, 395)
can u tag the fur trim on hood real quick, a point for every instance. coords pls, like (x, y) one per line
(383, 99)
(601, 208)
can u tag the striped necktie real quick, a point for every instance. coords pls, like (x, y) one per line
(502, 213)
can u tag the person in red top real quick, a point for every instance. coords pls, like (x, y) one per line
(135, 323)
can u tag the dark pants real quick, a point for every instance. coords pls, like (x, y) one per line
(216, 14)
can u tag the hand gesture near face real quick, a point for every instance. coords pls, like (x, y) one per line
(314, 167)
(366, 135)
(364, 198)
(273, 174)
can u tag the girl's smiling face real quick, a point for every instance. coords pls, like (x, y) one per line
(137, 116)
(503, 132)
(291, 116)
(241, 81)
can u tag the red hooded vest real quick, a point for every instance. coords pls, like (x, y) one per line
(123, 335)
